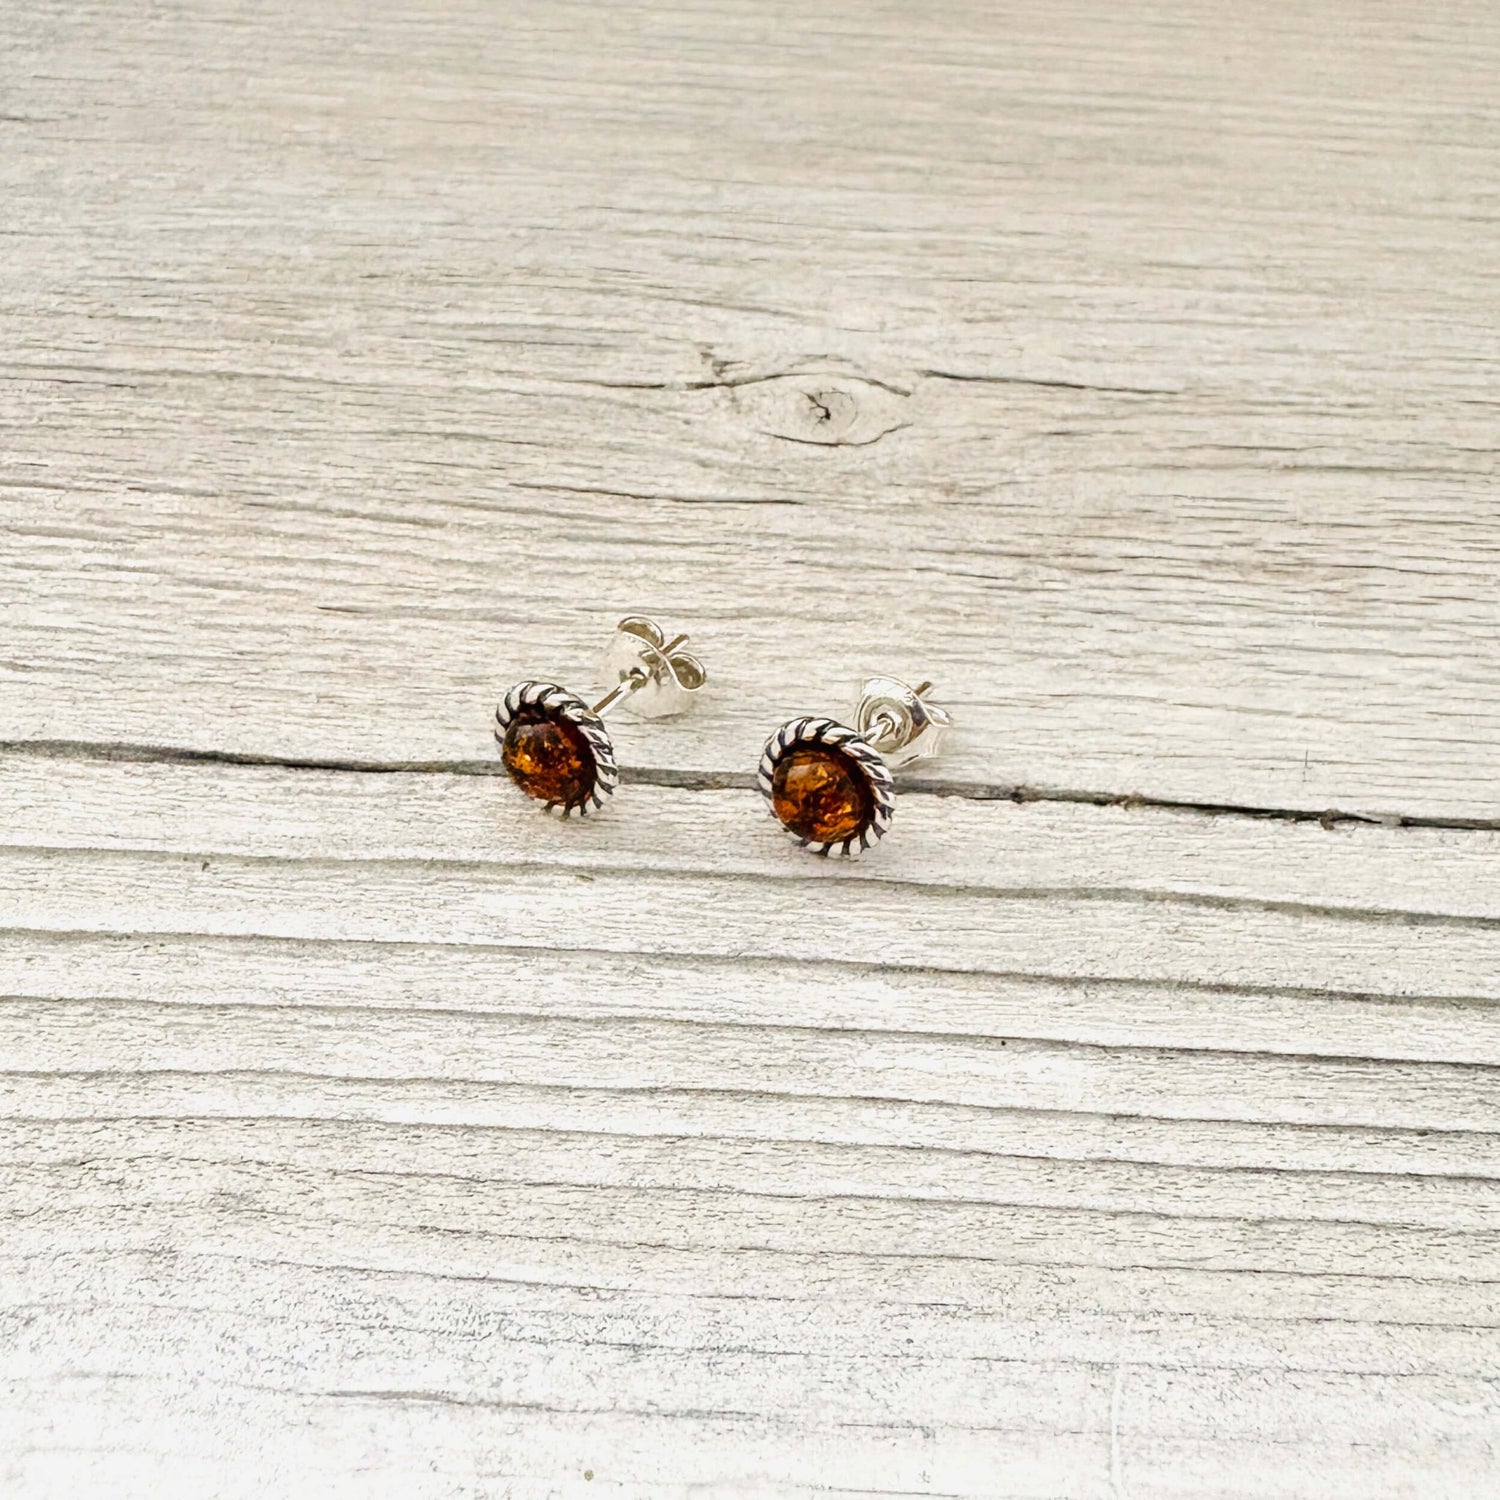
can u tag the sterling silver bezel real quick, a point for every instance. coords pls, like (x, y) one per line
(558, 703)
(813, 731)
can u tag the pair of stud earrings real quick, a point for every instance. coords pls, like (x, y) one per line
(829, 785)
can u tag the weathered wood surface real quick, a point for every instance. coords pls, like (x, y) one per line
(1061, 1150)
(1130, 371)
(1135, 375)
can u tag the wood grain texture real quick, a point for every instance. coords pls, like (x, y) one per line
(1133, 376)
(1051, 1144)
(1129, 371)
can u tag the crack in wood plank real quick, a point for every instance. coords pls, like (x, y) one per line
(713, 781)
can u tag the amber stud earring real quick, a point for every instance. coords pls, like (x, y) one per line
(830, 786)
(556, 748)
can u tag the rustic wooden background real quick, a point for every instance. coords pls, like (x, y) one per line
(1126, 1126)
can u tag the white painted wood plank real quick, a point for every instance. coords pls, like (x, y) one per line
(651, 1109)
(330, 1087)
(308, 1444)
(1131, 376)
(940, 843)
(869, 923)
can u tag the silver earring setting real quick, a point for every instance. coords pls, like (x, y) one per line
(556, 748)
(830, 786)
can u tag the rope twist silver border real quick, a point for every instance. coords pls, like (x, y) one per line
(813, 731)
(558, 703)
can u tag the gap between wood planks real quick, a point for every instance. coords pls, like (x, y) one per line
(718, 781)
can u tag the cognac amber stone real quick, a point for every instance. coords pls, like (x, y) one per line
(549, 759)
(821, 795)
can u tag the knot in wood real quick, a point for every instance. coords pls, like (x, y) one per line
(829, 408)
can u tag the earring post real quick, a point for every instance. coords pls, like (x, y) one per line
(653, 672)
(633, 683)
(636, 678)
